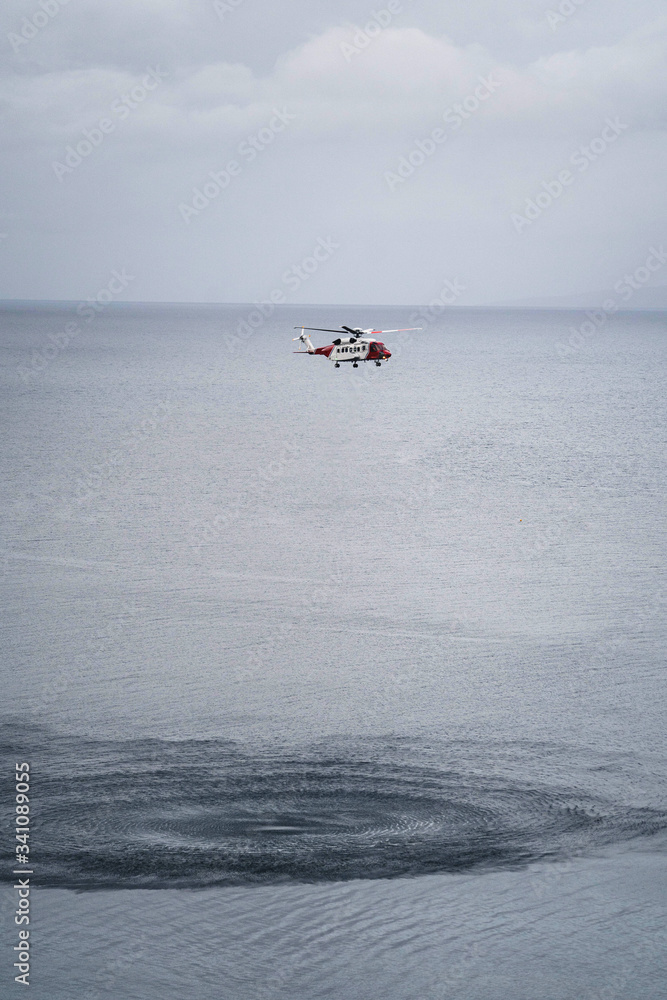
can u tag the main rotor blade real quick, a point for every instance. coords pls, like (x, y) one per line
(321, 329)
(404, 330)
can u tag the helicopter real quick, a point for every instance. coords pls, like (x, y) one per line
(354, 345)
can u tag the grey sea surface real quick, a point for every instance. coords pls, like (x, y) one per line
(336, 683)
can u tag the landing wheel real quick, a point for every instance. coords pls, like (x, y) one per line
(336, 365)
(355, 365)
(378, 363)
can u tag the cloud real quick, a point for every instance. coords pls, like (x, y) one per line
(401, 81)
(355, 116)
(629, 77)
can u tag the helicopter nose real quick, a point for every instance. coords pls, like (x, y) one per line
(387, 353)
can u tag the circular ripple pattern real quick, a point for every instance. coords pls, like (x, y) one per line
(155, 814)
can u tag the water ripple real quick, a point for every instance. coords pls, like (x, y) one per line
(157, 814)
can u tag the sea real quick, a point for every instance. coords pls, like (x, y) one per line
(335, 683)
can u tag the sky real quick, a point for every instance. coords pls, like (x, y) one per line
(331, 152)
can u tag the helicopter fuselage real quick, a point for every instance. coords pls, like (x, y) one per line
(354, 349)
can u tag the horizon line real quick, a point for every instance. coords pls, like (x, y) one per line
(331, 305)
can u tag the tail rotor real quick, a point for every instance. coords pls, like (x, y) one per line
(304, 338)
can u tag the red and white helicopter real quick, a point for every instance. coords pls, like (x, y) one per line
(355, 345)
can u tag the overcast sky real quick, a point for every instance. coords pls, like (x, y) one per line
(330, 125)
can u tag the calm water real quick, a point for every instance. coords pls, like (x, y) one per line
(361, 671)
